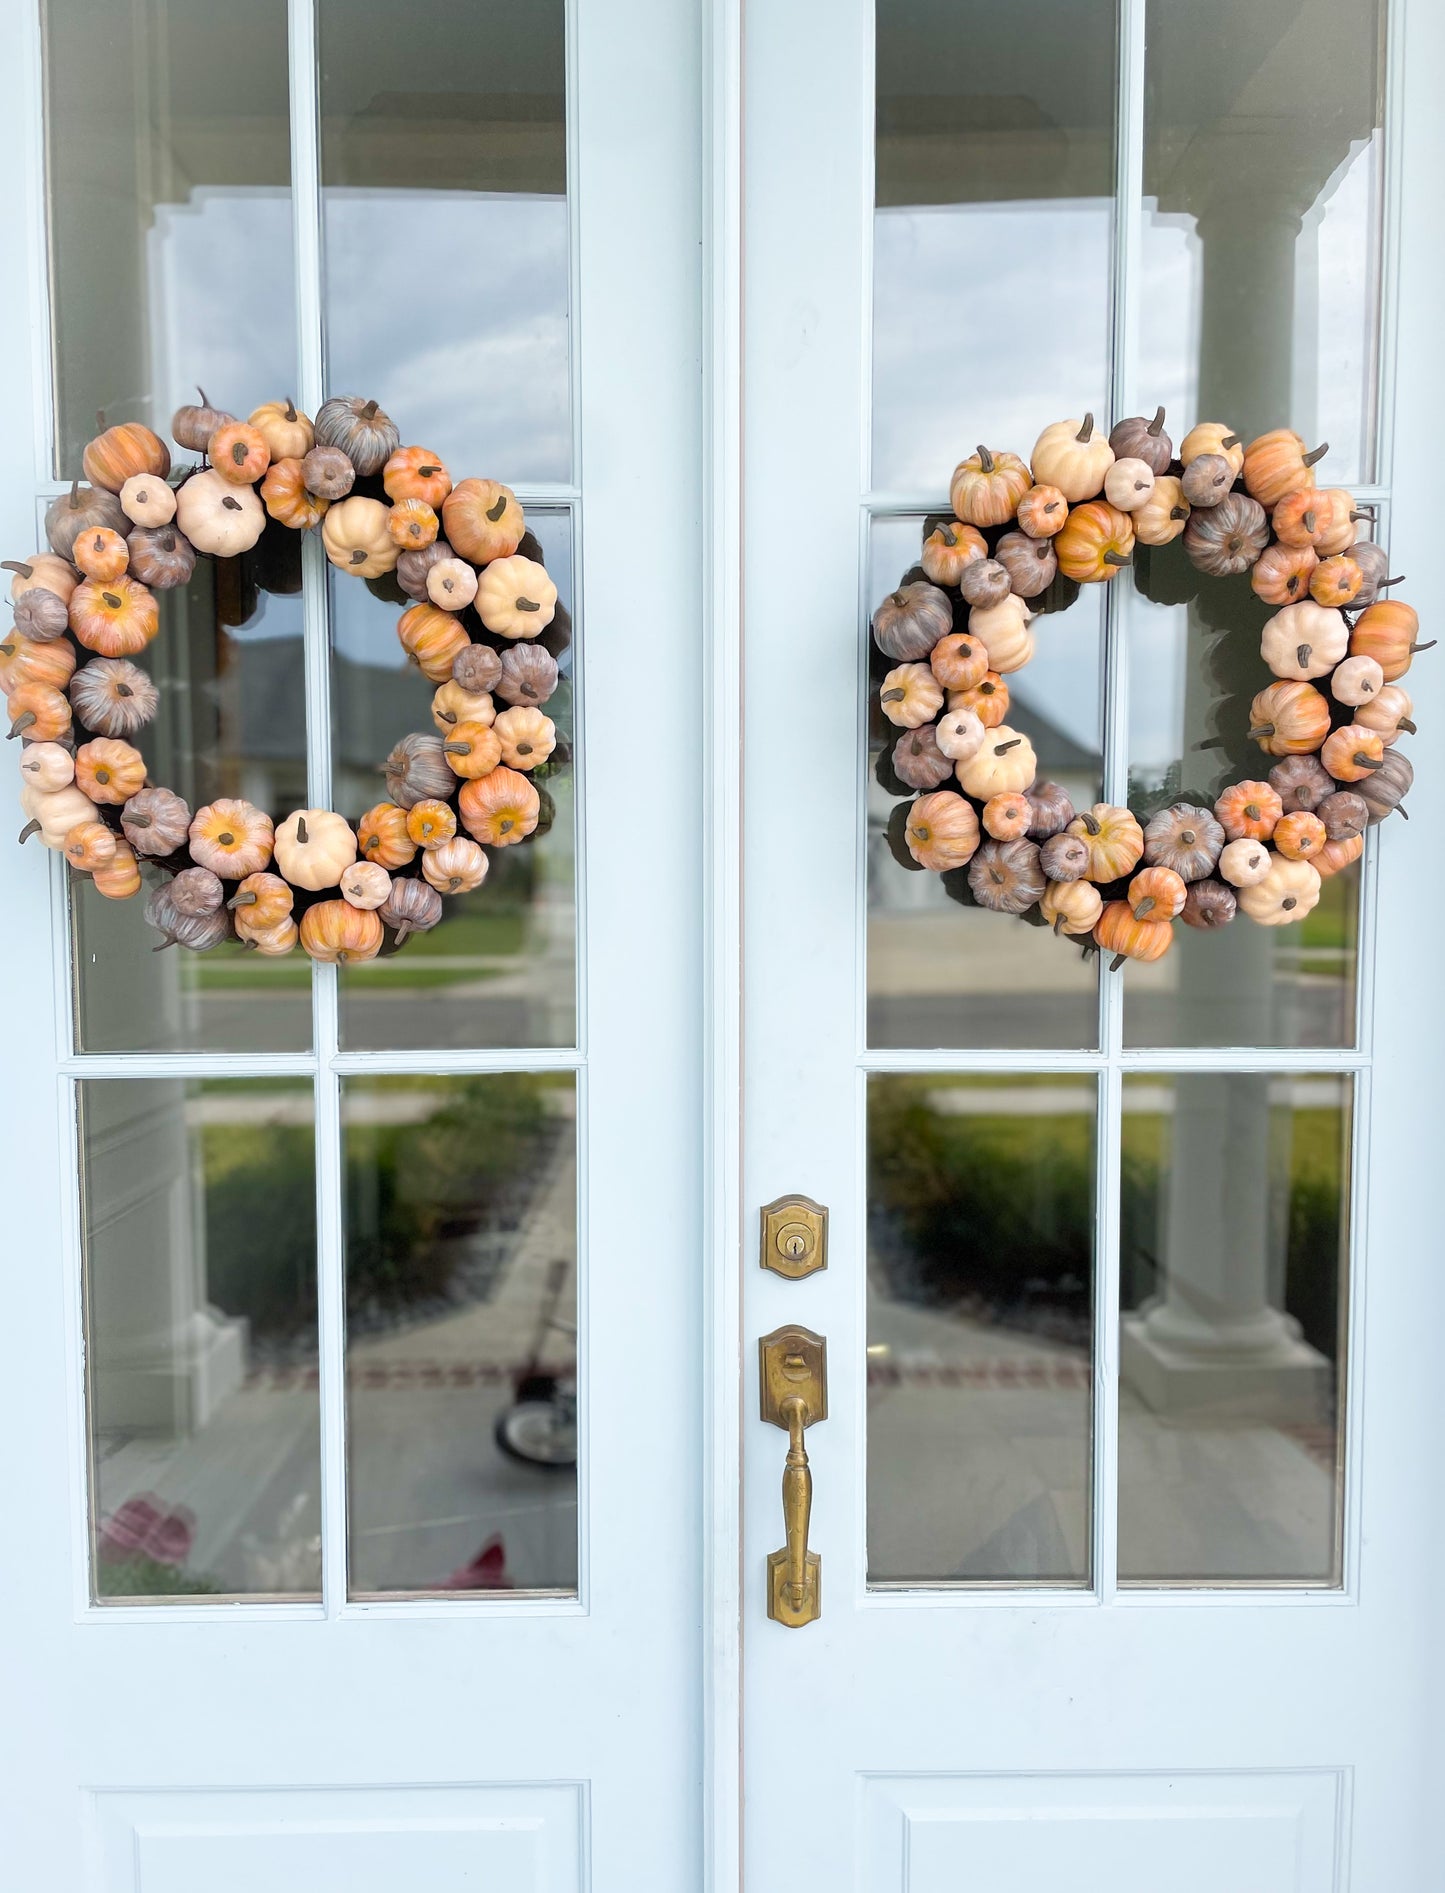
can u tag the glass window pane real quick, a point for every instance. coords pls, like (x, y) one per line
(461, 1284)
(169, 158)
(232, 722)
(1194, 666)
(199, 1207)
(980, 1313)
(501, 967)
(1263, 169)
(1235, 1238)
(943, 973)
(992, 230)
(444, 166)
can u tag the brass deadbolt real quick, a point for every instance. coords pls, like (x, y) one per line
(794, 1237)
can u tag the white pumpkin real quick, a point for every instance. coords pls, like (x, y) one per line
(54, 812)
(1003, 631)
(1074, 456)
(1304, 640)
(364, 884)
(148, 501)
(1004, 763)
(357, 537)
(910, 695)
(1128, 484)
(1358, 680)
(314, 848)
(217, 517)
(1245, 863)
(960, 735)
(1289, 891)
(515, 598)
(47, 767)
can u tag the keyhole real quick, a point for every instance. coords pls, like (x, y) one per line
(793, 1242)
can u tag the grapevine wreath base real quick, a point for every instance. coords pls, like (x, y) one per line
(1026, 535)
(85, 610)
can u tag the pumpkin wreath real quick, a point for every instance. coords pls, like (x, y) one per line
(1025, 536)
(478, 606)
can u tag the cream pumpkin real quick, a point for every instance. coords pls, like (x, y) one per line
(1005, 761)
(314, 847)
(356, 533)
(1286, 893)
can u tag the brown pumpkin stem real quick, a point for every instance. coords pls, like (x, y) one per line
(447, 716)
(290, 409)
(1179, 512)
(238, 452)
(1052, 507)
(1302, 656)
(1318, 453)
(1091, 823)
(1117, 961)
(1424, 647)
(30, 828)
(1400, 809)
(1289, 903)
(893, 696)
(1362, 761)
(494, 513)
(138, 821)
(1230, 440)
(402, 931)
(22, 722)
(1116, 558)
(527, 604)
(1086, 432)
(1002, 749)
(1390, 581)
(233, 504)
(301, 834)
(1059, 925)
(163, 945)
(75, 495)
(113, 599)
(242, 900)
(1156, 426)
(465, 749)
(205, 399)
(1309, 521)
(985, 459)
(1264, 729)
(1145, 907)
(358, 556)
(17, 565)
(367, 412)
(1407, 726)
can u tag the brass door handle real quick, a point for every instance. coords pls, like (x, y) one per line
(793, 1373)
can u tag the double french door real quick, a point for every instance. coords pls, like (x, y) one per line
(389, 1493)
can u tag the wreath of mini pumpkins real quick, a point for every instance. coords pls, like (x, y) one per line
(1024, 537)
(85, 610)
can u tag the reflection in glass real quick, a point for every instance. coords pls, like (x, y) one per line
(1233, 1258)
(232, 722)
(1263, 167)
(943, 974)
(199, 1208)
(169, 171)
(461, 1352)
(994, 181)
(501, 968)
(980, 1308)
(1194, 666)
(444, 166)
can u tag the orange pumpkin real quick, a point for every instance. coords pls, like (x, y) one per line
(39, 712)
(988, 699)
(1281, 574)
(118, 878)
(483, 521)
(432, 639)
(1299, 836)
(381, 836)
(431, 822)
(472, 749)
(288, 499)
(1249, 811)
(949, 548)
(1042, 512)
(1289, 719)
(1113, 837)
(239, 453)
(89, 845)
(1352, 753)
(42, 571)
(101, 553)
(112, 457)
(412, 524)
(23, 661)
(1096, 541)
(334, 930)
(987, 487)
(1157, 894)
(108, 770)
(1117, 931)
(1336, 580)
(959, 661)
(1335, 855)
(1387, 632)
(1300, 519)
(1007, 816)
(1277, 464)
(232, 838)
(500, 809)
(416, 473)
(1340, 514)
(262, 901)
(115, 618)
(942, 831)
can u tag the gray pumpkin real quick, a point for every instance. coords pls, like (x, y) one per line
(199, 932)
(529, 675)
(478, 668)
(161, 556)
(918, 761)
(113, 697)
(910, 621)
(80, 510)
(1208, 904)
(41, 615)
(412, 906)
(1386, 787)
(1138, 439)
(417, 768)
(364, 433)
(156, 821)
(1185, 838)
(1226, 538)
(1007, 877)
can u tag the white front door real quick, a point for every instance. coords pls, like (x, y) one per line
(302, 1586)
(1124, 1500)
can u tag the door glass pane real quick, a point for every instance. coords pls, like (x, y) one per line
(461, 1350)
(169, 160)
(501, 967)
(1263, 168)
(199, 1207)
(942, 972)
(232, 722)
(444, 166)
(980, 1314)
(992, 232)
(1235, 1232)
(1194, 666)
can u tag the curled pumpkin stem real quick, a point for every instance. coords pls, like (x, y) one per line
(17, 565)
(1091, 823)
(1230, 440)
(1156, 426)
(1116, 558)
(494, 513)
(30, 828)
(1317, 453)
(985, 459)
(1086, 431)
(22, 722)
(301, 834)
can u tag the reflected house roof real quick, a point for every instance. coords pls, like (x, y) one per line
(1058, 753)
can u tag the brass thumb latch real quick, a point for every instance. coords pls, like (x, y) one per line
(793, 1372)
